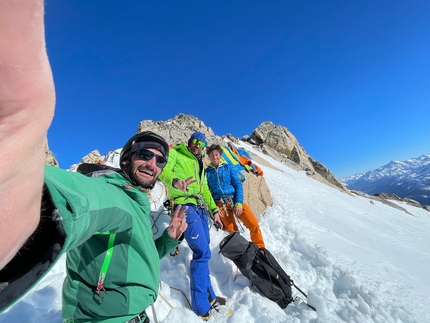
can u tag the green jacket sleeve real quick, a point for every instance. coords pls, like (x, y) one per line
(165, 244)
(88, 206)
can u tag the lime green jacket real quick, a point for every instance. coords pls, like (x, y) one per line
(181, 165)
(108, 232)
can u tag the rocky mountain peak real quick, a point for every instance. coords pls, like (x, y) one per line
(179, 129)
(279, 143)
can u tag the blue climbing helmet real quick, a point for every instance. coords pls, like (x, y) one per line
(198, 136)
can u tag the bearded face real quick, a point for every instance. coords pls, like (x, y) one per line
(195, 149)
(144, 172)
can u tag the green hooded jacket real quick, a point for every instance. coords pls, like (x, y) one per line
(106, 223)
(181, 165)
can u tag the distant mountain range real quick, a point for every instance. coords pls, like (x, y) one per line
(409, 178)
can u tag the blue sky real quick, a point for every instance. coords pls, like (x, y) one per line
(350, 79)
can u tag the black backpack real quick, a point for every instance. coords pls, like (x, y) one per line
(260, 267)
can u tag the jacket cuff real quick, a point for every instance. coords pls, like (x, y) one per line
(174, 181)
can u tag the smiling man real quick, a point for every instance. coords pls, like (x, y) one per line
(227, 191)
(187, 185)
(101, 220)
(144, 157)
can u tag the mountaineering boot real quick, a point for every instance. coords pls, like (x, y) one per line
(216, 303)
(219, 301)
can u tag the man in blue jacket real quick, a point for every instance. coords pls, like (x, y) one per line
(227, 191)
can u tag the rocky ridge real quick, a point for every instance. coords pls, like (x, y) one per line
(273, 140)
(280, 144)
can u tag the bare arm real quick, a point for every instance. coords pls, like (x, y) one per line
(27, 100)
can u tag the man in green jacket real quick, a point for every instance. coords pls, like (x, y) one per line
(113, 269)
(102, 221)
(185, 178)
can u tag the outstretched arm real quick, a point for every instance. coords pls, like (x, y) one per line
(27, 100)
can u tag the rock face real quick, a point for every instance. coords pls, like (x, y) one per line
(179, 129)
(93, 157)
(49, 157)
(281, 140)
(280, 144)
(256, 194)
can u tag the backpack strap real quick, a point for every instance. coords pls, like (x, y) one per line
(97, 170)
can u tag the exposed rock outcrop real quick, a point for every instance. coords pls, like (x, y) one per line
(256, 194)
(280, 144)
(387, 199)
(392, 196)
(93, 157)
(49, 157)
(179, 129)
(381, 199)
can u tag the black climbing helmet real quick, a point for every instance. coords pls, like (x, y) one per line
(142, 136)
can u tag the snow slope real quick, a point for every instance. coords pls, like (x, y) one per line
(359, 261)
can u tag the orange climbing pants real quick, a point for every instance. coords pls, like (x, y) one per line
(248, 219)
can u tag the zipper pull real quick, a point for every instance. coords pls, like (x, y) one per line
(100, 288)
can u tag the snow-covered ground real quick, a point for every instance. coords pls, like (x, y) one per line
(359, 261)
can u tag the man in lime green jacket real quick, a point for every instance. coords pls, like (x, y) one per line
(187, 185)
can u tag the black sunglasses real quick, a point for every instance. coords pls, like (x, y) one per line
(147, 155)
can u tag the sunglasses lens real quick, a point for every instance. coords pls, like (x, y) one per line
(198, 142)
(160, 161)
(147, 155)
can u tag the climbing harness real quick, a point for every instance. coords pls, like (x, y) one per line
(200, 203)
(226, 200)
